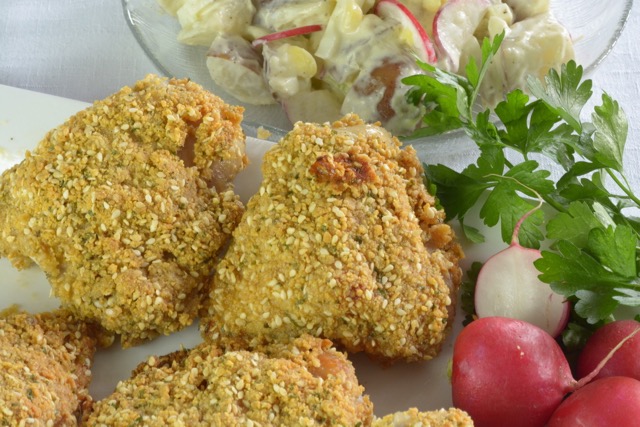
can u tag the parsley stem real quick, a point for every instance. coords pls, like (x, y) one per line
(554, 204)
(623, 187)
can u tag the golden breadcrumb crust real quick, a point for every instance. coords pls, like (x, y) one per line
(342, 241)
(303, 383)
(127, 232)
(45, 368)
(452, 417)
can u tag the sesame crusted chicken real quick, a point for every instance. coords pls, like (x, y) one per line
(302, 383)
(452, 417)
(341, 241)
(45, 368)
(127, 205)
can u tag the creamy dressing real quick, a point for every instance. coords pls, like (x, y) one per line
(375, 93)
(288, 69)
(278, 15)
(533, 47)
(203, 20)
(232, 62)
(345, 52)
(360, 58)
(425, 11)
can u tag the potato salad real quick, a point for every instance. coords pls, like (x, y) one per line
(321, 59)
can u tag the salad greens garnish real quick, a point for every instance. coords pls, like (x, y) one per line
(593, 236)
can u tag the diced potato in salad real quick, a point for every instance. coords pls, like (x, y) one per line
(350, 55)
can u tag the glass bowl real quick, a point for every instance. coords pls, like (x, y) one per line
(594, 25)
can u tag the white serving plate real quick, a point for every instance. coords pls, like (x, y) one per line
(26, 116)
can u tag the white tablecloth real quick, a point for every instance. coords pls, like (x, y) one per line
(84, 50)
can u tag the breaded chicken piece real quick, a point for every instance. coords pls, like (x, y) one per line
(452, 417)
(45, 368)
(125, 206)
(342, 241)
(303, 383)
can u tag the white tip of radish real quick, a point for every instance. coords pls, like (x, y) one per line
(453, 27)
(419, 39)
(508, 286)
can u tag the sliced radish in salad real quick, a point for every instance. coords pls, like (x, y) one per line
(420, 41)
(508, 286)
(291, 32)
(453, 27)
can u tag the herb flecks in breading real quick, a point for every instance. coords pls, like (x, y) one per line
(452, 417)
(45, 368)
(341, 241)
(302, 383)
(126, 205)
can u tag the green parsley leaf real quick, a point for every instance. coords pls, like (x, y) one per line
(505, 204)
(594, 306)
(628, 297)
(456, 192)
(575, 336)
(615, 249)
(449, 98)
(445, 96)
(565, 92)
(571, 269)
(611, 133)
(471, 233)
(573, 225)
(467, 291)
(593, 253)
(501, 206)
(592, 275)
(475, 75)
(514, 114)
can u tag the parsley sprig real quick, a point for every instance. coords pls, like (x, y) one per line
(594, 255)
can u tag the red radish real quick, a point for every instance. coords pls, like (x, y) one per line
(292, 32)
(508, 372)
(421, 43)
(508, 286)
(625, 361)
(611, 401)
(454, 25)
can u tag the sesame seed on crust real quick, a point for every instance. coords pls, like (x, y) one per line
(341, 241)
(125, 207)
(45, 368)
(451, 417)
(302, 383)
